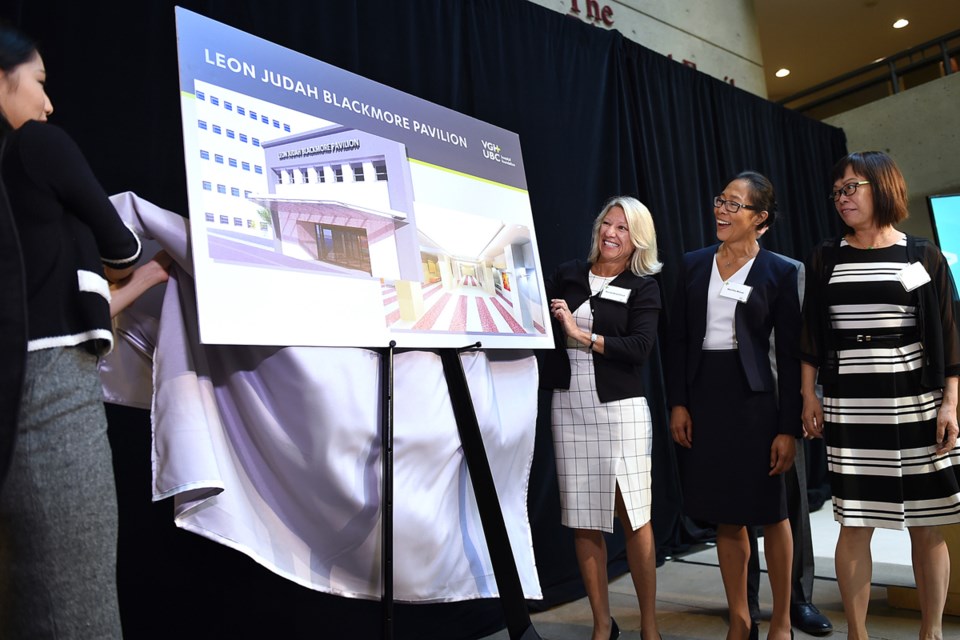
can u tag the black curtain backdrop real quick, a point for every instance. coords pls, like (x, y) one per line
(597, 115)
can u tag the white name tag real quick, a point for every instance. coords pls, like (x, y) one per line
(734, 291)
(913, 276)
(616, 294)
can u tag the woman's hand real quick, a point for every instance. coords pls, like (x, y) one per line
(148, 275)
(812, 416)
(946, 428)
(157, 269)
(947, 417)
(681, 427)
(782, 452)
(560, 311)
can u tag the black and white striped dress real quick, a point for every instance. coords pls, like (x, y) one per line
(599, 445)
(879, 423)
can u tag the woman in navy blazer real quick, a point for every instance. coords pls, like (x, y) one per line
(604, 312)
(736, 434)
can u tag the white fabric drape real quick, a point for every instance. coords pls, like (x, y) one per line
(275, 452)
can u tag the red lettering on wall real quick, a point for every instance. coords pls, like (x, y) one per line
(686, 63)
(595, 12)
(607, 15)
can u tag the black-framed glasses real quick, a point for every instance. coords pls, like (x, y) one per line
(848, 189)
(730, 206)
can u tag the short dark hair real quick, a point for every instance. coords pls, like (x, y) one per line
(15, 49)
(762, 194)
(883, 174)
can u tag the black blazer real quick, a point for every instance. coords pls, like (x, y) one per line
(773, 304)
(628, 329)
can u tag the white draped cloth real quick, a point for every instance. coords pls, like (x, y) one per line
(275, 452)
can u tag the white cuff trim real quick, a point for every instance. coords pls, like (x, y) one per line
(123, 263)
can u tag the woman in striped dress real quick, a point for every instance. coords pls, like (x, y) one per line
(879, 329)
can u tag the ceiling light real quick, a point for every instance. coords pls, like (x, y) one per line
(901, 23)
(782, 73)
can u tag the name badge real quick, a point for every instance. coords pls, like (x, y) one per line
(913, 276)
(734, 291)
(616, 294)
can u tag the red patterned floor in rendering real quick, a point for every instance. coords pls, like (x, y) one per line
(466, 309)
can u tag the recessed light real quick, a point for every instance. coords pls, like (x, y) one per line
(782, 73)
(901, 23)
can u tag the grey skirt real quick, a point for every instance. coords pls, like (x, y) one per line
(58, 507)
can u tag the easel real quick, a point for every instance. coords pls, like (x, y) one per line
(514, 606)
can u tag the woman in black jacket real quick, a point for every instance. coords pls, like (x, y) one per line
(58, 509)
(735, 427)
(604, 312)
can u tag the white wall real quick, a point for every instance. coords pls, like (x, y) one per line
(919, 129)
(720, 36)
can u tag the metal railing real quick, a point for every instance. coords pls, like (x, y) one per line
(880, 79)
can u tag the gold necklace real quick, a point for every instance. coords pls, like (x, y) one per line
(863, 245)
(736, 258)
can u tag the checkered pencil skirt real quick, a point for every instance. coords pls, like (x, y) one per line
(599, 446)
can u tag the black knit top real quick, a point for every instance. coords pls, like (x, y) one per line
(68, 230)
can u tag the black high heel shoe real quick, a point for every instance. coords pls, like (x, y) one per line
(614, 629)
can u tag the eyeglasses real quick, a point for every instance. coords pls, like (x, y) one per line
(730, 206)
(848, 190)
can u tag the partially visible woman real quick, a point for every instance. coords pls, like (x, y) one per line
(604, 311)
(58, 509)
(736, 428)
(879, 327)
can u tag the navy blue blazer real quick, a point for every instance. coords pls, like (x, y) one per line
(773, 304)
(629, 331)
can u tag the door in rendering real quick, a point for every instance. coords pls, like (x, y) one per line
(343, 246)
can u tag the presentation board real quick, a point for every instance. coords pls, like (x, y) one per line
(330, 210)
(945, 220)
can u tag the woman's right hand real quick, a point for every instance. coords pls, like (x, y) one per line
(560, 311)
(812, 416)
(681, 427)
(156, 270)
(151, 273)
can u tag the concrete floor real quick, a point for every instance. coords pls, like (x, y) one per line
(690, 605)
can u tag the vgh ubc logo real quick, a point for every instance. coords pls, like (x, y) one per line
(491, 151)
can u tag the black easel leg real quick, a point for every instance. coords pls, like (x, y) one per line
(386, 492)
(494, 530)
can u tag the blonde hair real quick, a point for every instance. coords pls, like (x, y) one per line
(643, 261)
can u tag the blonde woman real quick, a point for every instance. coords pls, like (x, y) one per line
(604, 312)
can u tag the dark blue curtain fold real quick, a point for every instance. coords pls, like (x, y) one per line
(597, 115)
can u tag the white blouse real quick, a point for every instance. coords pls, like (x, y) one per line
(721, 329)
